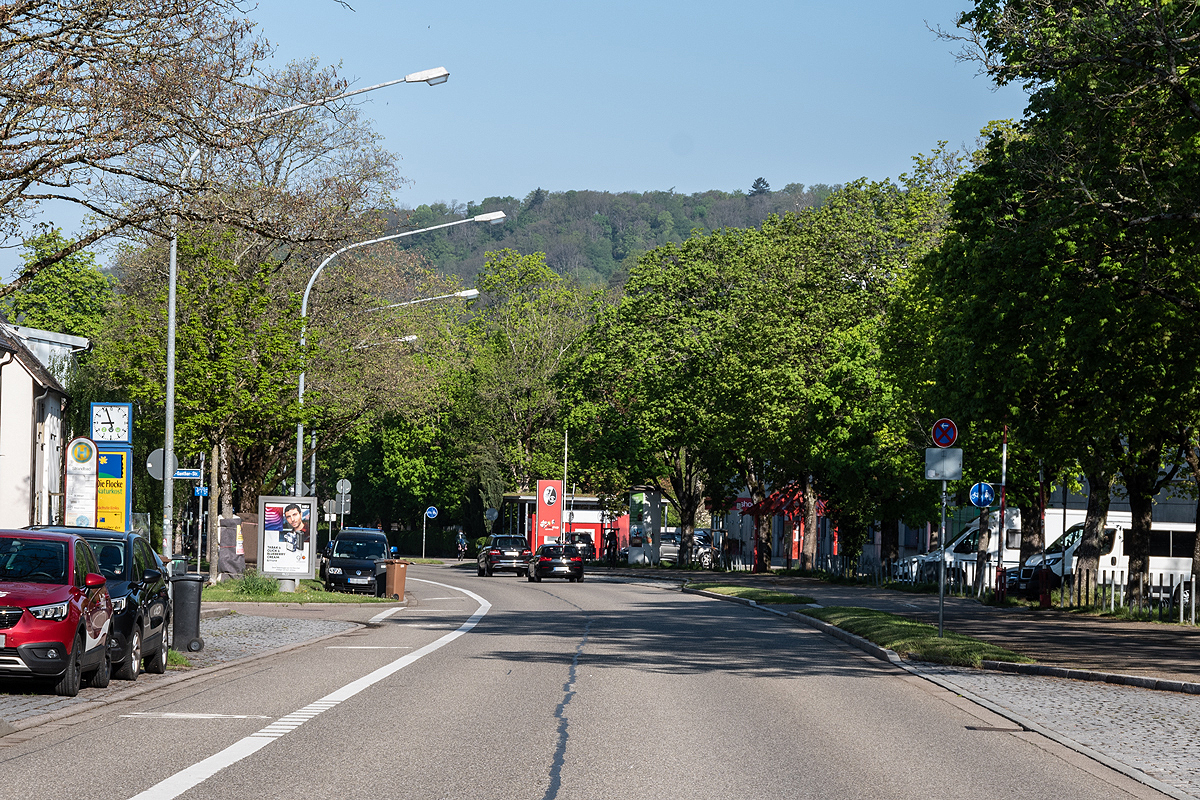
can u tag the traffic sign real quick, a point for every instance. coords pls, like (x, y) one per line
(431, 512)
(154, 464)
(943, 463)
(200, 491)
(343, 486)
(187, 475)
(945, 432)
(982, 495)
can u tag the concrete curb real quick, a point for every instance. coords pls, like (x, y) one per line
(1141, 681)
(140, 688)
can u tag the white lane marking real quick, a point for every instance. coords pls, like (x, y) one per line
(181, 715)
(427, 599)
(365, 647)
(382, 615)
(184, 780)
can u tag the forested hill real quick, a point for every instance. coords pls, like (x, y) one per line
(594, 236)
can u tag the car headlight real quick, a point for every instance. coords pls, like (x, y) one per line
(56, 611)
(1052, 560)
(119, 603)
(335, 570)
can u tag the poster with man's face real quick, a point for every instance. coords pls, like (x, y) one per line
(287, 536)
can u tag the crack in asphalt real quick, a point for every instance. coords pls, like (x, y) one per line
(560, 752)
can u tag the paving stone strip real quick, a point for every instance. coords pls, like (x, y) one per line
(227, 638)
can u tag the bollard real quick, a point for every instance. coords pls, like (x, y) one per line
(185, 632)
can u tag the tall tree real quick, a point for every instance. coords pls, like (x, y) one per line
(71, 297)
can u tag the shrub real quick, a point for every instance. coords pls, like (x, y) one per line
(255, 584)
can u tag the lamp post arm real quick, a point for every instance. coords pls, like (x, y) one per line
(492, 217)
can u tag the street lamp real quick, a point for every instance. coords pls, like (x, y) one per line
(433, 77)
(493, 217)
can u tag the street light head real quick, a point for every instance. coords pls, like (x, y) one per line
(431, 76)
(492, 217)
(468, 294)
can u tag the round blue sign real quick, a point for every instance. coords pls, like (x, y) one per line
(431, 512)
(982, 495)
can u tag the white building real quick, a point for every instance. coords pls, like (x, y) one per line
(31, 424)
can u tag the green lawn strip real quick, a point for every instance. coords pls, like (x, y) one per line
(760, 596)
(177, 659)
(234, 591)
(913, 639)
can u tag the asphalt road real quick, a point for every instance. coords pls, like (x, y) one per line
(501, 688)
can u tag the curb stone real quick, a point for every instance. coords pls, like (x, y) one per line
(1140, 681)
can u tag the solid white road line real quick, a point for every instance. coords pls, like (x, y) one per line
(181, 781)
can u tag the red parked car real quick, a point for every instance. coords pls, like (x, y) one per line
(55, 612)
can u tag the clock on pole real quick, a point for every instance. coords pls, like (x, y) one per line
(112, 422)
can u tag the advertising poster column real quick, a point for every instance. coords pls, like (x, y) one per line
(79, 488)
(549, 513)
(285, 540)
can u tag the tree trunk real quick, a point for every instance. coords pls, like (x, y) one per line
(889, 540)
(810, 525)
(226, 479)
(1087, 554)
(981, 554)
(1033, 536)
(1192, 457)
(1141, 479)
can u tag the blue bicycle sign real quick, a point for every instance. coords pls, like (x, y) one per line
(982, 495)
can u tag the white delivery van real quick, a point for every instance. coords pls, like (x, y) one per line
(1171, 548)
(961, 553)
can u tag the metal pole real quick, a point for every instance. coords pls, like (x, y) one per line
(1003, 507)
(423, 518)
(942, 565)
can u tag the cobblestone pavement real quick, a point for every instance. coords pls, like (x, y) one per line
(1155, 732)
(226, 639)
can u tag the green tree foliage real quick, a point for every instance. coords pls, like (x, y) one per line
(593, 237)
(759, 187)
(71, 296)
(517, 344)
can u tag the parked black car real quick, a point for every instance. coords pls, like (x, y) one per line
(556, 561)
(356, 562)
(503, 554)
(137, 584)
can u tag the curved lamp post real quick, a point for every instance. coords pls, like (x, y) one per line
(433, 77)
(494, 217)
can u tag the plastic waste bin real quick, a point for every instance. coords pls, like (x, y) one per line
(185, 632)
(397, 570)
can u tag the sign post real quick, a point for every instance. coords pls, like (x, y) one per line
(945, 464)
(430, 513)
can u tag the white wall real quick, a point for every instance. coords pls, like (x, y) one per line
(16, 435)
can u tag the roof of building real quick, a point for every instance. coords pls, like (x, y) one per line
(11, 342)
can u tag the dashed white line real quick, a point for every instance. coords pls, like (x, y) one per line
(183, 715)
(366, 647)
(382, 615)
(184, 780)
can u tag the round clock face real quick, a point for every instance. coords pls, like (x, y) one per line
(110, 423)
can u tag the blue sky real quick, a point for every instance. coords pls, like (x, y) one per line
(648, 95)
(643, 95)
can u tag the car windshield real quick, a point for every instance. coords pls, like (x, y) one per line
(509, 543)
(33, 561)
(359, 548)
(558, 550)
(111, 557)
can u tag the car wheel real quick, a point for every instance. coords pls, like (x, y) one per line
(68, 684)
(580, 578)
(157, 664)
(529, 576)
(131, 664)
(480, 569)
(521, 573)
(100, 676)
(489, 572)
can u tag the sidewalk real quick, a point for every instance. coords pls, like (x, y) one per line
(1052, 637)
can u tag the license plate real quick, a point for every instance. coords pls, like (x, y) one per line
(3, 640)
(359, 580)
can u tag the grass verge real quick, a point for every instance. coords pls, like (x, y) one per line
(914, 639)
(177, 659)
(760, 596)
(236, 591)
